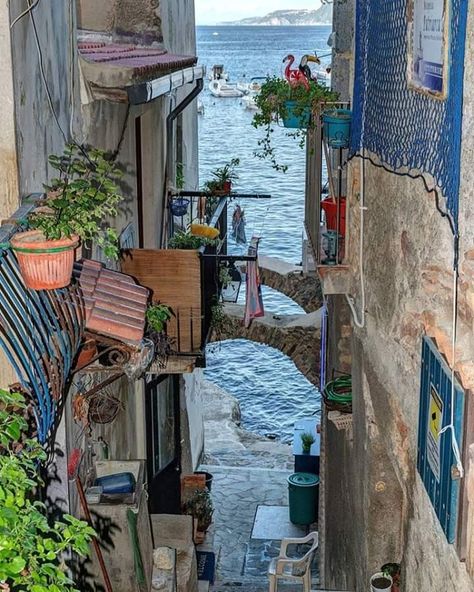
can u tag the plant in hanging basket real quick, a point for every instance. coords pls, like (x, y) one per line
(76, 205)
(179, 206)
(280, 101)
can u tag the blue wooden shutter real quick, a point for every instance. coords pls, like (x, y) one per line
(435, 454)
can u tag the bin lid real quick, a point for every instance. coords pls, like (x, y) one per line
(303, 479)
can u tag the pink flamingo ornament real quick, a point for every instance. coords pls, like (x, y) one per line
(294, 76)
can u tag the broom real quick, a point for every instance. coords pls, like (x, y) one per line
(73, 475)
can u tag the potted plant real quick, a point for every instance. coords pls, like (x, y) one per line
(393, 570)
(199, 505)
(157, 317)
(188, 241)
(380, 582)
(222, 178)
(76, 205)
(293, 105)
(337, 127)
(307, 440)
(33, 545)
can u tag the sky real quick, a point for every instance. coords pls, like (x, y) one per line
(210, 12)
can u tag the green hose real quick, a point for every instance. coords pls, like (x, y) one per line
(339, 390)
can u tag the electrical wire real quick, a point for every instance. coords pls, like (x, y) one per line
(450, 426)
(448, 216)
(24, 13)
(42, 72)
(360, 323)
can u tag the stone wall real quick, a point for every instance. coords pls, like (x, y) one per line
(304, 289)
(378, 506)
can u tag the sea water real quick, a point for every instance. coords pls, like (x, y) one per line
(271, 391)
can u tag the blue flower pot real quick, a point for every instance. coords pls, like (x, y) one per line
(179, 206)
(296, 120)
(337, 127)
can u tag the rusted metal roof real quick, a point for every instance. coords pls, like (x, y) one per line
(115, 304)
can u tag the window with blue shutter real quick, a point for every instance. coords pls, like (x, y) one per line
(436, 460)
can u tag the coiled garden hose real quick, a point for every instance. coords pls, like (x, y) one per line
(339, 390)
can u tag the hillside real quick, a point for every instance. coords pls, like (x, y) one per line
(321, 16)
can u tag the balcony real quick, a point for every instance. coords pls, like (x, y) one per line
(187, 281)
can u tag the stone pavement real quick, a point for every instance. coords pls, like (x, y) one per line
(249, 470)
(242, 562)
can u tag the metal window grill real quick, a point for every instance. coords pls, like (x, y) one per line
(436, 462)
(407, 130)
(40, 333)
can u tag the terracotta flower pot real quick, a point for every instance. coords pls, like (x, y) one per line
(44, 264)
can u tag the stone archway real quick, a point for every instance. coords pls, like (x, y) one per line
(304, 289)
(297, 336)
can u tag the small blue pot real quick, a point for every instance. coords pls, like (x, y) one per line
(293, 120)
(337, 128)
(179, 206)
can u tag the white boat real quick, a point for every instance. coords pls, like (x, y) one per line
(218, 73)
(249, 103)
(254, 87)
(221, 88)
(250, 87)
(322, 77)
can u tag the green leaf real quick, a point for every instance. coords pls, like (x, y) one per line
(17, 565)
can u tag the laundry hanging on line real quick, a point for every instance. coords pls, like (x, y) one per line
(253, 290)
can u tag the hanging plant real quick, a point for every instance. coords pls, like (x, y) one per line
(280, 101)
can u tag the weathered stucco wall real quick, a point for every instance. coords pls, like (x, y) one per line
(179, 36)
(9, 194)
(37, 133)
(192, 422)
(342, 43)
(375, 498)
(134, 20)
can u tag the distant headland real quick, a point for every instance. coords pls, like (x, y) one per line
(321, 16)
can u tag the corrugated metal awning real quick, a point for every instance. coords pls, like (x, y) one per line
(124, 72)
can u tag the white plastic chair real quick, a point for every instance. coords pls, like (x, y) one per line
(289, 568)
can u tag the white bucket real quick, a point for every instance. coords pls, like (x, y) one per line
(386, 577)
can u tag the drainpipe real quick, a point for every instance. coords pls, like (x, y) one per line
(169, 141)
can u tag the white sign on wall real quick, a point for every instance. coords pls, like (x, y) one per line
(428, 32)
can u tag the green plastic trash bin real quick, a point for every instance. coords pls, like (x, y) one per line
(303, 490)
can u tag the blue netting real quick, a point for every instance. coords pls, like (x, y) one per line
(407, 129)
